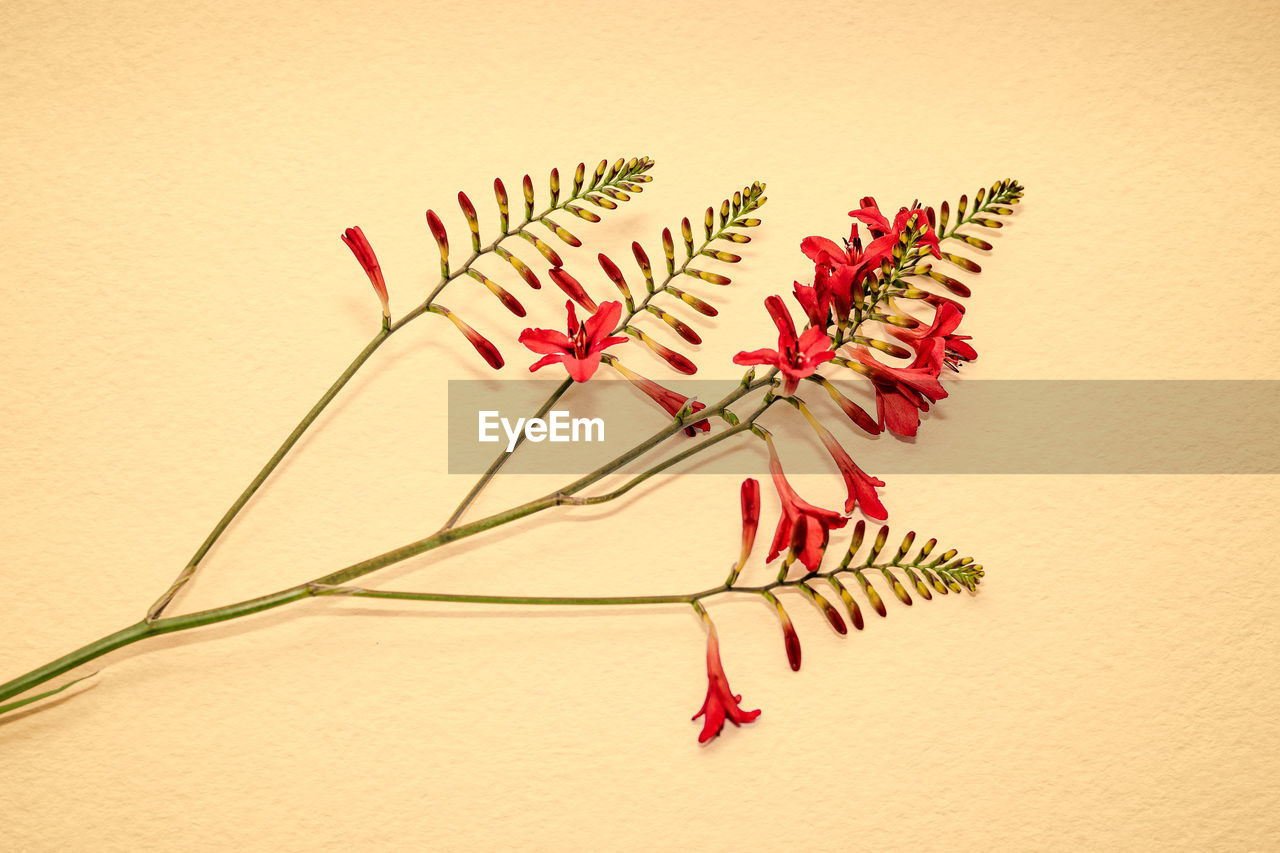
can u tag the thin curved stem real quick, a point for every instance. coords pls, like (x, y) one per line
(387, 329)
(501, 458)
(276, 458)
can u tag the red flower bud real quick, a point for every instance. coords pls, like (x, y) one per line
(469, 211)
(573, 288)
(614, 274)
(790, 639)
(664, 397)
(670, 356)
(359, 246)
(643, 260)
(482, 344)
(750, 515)
(442, 240)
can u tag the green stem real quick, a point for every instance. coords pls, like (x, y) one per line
(149, 628)
(501, 458)
(187, 571)
(386, 330)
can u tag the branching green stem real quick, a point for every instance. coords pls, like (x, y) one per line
(386, 330)
(155, 624)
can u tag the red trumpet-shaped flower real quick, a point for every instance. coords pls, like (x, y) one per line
(580, 350)
(924, 339)
(803, 528)
(664, 397)
(359, 246)
(796, 356)
(721, 703)
(903, 392)
(861, 486)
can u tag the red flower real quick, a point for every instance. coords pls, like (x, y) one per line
(903, 392)
(664, 397)
(840, 271)
(580, 350)
(359, 246)
(796, 357)
(802, 528)
(721, 703)
(880, 227)
(924, 339)
(861, 486)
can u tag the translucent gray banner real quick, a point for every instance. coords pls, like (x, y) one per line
(983, 427)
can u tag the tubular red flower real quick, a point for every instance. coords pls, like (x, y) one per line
(803, 528)
(902, 392)
(946, 319)
(721, 703)
(861, 487)
(664, 397)
(796, 357)
(359, 246)
(580, 350)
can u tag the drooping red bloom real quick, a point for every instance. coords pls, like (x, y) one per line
(924, 339)
(580, 350)
(903, 392)
(664, 397)
(721, 703)
(796, 356)
(861, 486)
(803, 528)
(359, 246)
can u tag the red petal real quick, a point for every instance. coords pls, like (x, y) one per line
(546, 340)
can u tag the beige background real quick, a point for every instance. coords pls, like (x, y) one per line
(176, 176)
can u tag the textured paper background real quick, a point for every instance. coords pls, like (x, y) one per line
(176, 175)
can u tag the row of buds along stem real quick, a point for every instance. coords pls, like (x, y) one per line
(629, 175)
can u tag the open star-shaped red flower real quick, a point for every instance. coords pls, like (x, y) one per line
(797, 356)
(580, 350)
